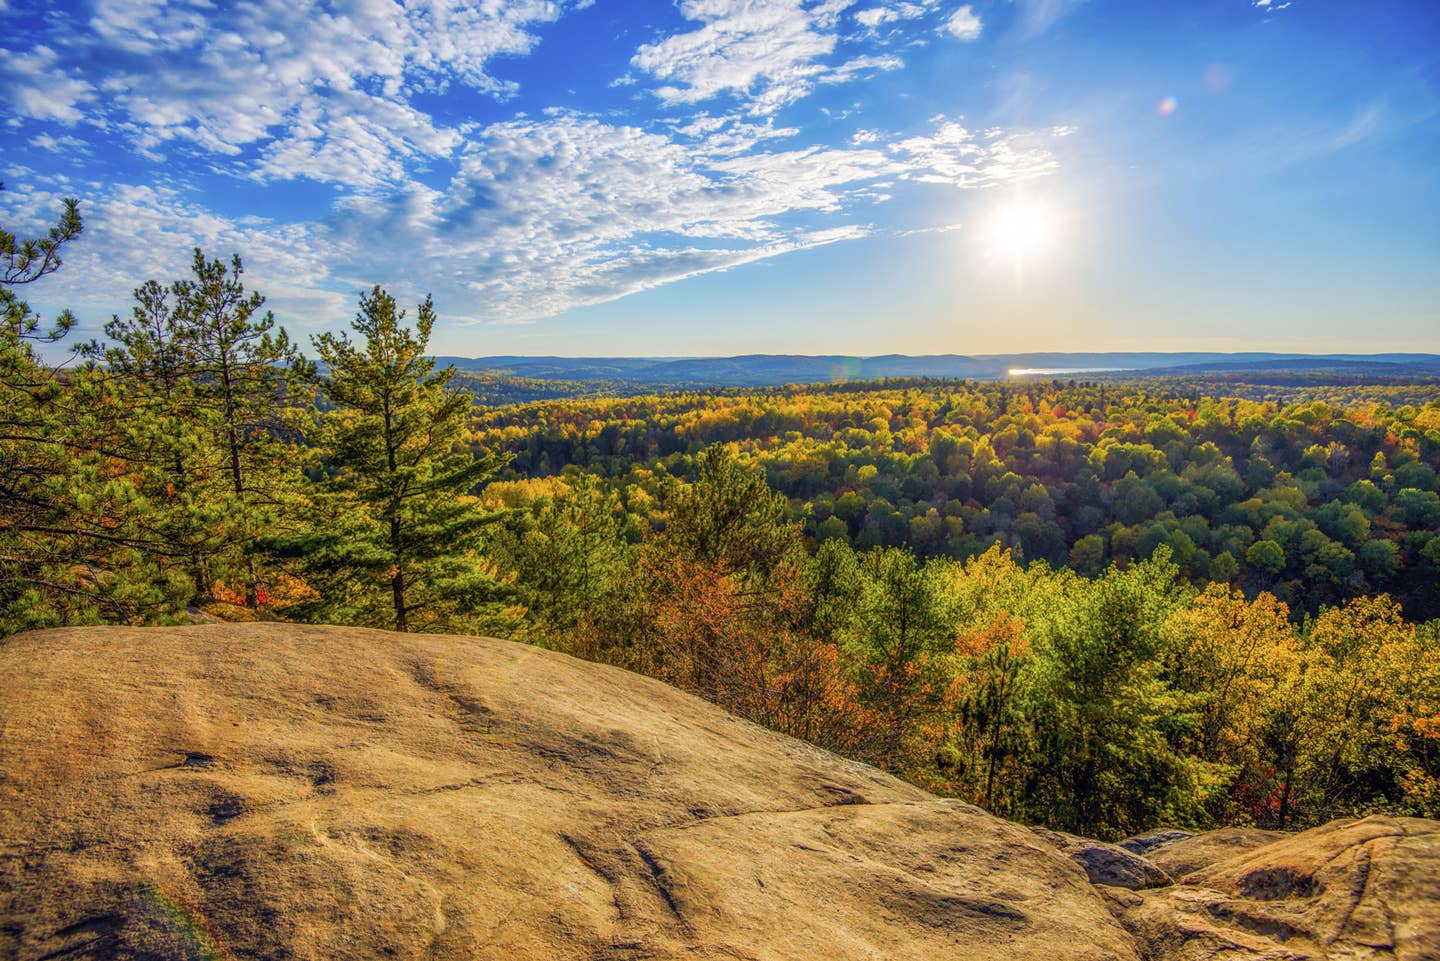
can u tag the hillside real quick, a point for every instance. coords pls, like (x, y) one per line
(283, 791)
(757, 370)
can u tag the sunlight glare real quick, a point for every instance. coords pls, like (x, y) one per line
(1022, 230)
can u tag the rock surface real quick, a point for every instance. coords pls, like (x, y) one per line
(1108, 864)
(1150, 840)
(282, 791)
(1185, 855)
(268, 791)
(1364, 889)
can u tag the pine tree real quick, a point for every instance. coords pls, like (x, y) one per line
(201, 398)
(32, 452)
(145, 379)
(76, 545)
(400, 543)
(249, 382)
(573, 565)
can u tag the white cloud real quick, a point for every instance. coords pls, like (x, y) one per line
(65, 142)
(136, 232)
(547, 215)
(322, 88)
(38, 89)
(542, 215)
(766, 48)
(506, 222)
(872, 18)
(769, 53)
(964, 23)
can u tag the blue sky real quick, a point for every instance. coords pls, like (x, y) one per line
(735, 176)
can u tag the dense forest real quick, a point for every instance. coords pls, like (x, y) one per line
(1325, 498)
(1101, 607)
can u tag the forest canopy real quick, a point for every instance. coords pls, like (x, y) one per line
(1328, 497)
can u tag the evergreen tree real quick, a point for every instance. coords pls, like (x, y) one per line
(898, 644)
(724, 577)
(248, 381)
(76, 542)
(572, 561)
(398, 543)
(146, 383)
(30, 454)
(34, 459)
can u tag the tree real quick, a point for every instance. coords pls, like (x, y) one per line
(1240, 662)
(1224, 568)
(1371, 701)
(147, 385)
(990, 735)
(901, 634)
(77, 542)
(725, 574)
(24, 262)
(1087, 556)
(1267, 556)
(1380, 560)
(59, 536)
(247, 379)
(1109, 725)
(572, 562)
(32, 455)
(398, 533)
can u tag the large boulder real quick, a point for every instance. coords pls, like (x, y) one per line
(273, 791)
(1185, 855)
(1103, 863)
(1150, 840)
(278, 791)
(1364, 890)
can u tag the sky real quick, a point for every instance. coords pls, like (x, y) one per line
(718, 177)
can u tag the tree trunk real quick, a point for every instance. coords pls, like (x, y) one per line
(397, 583)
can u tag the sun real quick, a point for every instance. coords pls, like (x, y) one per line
(1022, 230)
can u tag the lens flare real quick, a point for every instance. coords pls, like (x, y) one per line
(1218, 77)
(1167, 106)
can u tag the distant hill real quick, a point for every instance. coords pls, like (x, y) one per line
(761, 370)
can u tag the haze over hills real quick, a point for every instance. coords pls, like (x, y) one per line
(757, 370)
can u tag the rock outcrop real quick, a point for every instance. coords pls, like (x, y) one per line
(1361, 889)
(272, 791)
(1108, 864)
(1189, 853)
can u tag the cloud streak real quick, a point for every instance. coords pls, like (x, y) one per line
(544, 216)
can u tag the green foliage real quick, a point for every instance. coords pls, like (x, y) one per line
(1267, 556)
(212, 395)
(725, 568)
(1109, 724)
(24, 261)
(395, 529)
(1098, 473)
(32, 454)
(899, 637)
(569, 549)
(1101, 705)
(75, 546)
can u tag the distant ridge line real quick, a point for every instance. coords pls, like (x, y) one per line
(758, 370)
